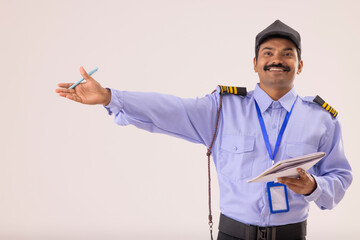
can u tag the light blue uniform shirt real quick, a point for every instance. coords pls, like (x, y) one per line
(239, 151)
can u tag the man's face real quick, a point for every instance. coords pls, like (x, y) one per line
(277, 64)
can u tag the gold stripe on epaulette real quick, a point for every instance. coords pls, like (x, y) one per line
(332, 111)
(325, 106)
(232, 90)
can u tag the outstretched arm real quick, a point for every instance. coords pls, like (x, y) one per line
(90, 92)
(190, 119)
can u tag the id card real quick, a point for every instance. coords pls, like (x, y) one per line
(278, 199)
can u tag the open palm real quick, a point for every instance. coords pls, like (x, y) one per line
(90, 92)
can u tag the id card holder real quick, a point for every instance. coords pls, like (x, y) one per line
(278, 199)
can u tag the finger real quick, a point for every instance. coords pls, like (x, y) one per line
(74, 98)
(292, 186)
(71, 96)
(301, 172)
(84, 74)
(64, 90)
(285, 180)
(304, 175)
(64, 94)
(295, 188)
(65, 85)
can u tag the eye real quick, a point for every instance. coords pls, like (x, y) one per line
(288, 54)
(267, 53)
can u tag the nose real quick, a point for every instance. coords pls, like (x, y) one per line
(276, 59)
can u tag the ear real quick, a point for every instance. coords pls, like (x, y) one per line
(255, 65)
(301, 64)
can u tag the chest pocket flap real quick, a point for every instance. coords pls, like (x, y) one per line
(299, 149)
(238, 143)
(237, 156)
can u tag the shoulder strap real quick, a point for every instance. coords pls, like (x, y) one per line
(326, 106)
(232, 90)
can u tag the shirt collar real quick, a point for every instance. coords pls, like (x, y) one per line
(264, 100)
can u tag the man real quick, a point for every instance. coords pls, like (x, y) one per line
(267, 125)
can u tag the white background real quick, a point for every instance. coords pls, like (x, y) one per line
(68, 172)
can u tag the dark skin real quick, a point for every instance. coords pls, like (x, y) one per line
(89, 92)
(277, 66)
(276, 81)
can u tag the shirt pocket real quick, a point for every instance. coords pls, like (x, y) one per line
(237, 156)
(299, 149)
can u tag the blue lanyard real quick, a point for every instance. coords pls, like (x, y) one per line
(264, 132)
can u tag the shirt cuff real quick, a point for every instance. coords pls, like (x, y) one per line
(314, 196)
(116, 103)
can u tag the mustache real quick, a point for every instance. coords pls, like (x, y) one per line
(285, 68)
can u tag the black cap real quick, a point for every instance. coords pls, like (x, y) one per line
(278, 29)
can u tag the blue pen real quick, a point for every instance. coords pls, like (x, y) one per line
(77, 83)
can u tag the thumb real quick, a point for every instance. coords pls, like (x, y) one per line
(301, 172)
(84, 74)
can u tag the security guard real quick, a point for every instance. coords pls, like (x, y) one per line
(253, 131)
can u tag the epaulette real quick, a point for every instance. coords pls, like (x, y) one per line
(326, 106)
(224, 90)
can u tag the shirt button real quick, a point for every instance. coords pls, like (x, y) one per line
(235, 148)
(273, 126)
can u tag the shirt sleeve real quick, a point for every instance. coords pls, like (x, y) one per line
(190, 119)
(333, 173)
